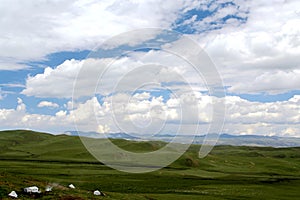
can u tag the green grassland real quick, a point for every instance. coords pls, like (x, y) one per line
(29, 158)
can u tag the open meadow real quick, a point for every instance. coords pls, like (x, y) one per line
(228, 172)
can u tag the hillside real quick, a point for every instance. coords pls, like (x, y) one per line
(228, 172)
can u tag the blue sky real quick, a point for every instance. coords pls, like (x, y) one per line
(253, 45)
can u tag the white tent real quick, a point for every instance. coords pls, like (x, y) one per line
(97, 193)
(71, 186)
(13, 194)
(32, 189)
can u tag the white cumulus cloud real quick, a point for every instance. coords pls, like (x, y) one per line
(47, 104)
(262, 54)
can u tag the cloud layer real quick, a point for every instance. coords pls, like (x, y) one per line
(47, 27)
(144, 114)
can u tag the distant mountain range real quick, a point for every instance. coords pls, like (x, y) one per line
(99, 135)
(224, 139)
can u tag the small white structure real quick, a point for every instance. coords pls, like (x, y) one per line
(48, 189)
(32, 189)
(97, 193)
(13, 194)
(71, 186)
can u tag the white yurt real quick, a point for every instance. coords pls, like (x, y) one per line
(97, 193)
(32, 189)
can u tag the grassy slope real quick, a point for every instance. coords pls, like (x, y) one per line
(29, 158)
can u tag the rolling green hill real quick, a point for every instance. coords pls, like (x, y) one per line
(30, 158)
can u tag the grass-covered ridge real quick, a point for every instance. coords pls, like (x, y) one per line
(30, 158)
